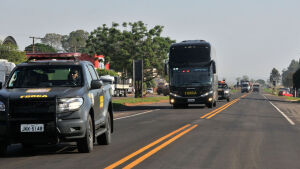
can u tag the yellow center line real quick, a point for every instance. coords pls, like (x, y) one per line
(145, 148)
(144, 157)
(216, 109)
(236, 100)
(221, 109)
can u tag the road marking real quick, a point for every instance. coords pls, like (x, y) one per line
(150, 153)
(282, 113)
(145, 148)
(218, 110)
(136, 114)
(222, 109)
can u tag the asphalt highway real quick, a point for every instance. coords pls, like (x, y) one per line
(249, 132)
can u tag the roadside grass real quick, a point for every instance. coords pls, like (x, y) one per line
(270, 90)
(234, 90)
(292, 98)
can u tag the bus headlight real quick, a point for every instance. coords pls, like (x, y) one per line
(69, 104)
(207, 93)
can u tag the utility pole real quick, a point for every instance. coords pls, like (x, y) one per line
(33, 47)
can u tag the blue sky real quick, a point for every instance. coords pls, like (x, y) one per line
(251, 37)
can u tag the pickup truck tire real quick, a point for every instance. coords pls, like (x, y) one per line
(215, 103)
(3, 149)
(105, 138)
(210, 105)
(228, 99)
(86, 144)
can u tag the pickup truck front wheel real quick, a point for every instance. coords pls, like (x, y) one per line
(86, 144)
(105, 138)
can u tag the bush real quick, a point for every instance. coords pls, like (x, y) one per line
(103, 72)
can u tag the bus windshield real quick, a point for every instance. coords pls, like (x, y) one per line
(189, 54)
(191, 76)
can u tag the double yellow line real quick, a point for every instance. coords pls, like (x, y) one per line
(218, 110)
(174, 135)
(183, 130)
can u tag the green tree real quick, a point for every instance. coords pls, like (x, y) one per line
(133, 41)
(287, 74)
(261, 82)
(75, 41)
(275, 75)
(245, 77)
(103, 72)
(11, 53)
(53, 40)
(39, 47)
(296, 79)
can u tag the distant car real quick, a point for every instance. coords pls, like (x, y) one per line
(149, 90)
(284, 92)
(256, 88)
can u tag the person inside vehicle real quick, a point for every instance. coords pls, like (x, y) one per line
(74, 77)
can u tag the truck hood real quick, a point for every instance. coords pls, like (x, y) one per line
(41, 92)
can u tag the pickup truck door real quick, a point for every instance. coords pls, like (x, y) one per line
(98, 99)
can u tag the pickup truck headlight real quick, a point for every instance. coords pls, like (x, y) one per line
(226, 91)
(207, 93)
(2, 106)
(69, 104)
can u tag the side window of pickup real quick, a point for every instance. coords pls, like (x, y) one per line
(92, 72)
(89, 77)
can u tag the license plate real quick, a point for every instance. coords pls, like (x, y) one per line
(191, 100)
(27, 128)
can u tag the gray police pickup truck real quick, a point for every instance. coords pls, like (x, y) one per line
(47, 101)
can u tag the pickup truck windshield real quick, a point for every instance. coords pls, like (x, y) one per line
(46, 76)
(191, 76)
(222, 86)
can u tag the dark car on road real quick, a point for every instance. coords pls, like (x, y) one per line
(45, 102)
(256, 88)
(223, 91)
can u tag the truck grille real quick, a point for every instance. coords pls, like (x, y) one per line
(32, 109)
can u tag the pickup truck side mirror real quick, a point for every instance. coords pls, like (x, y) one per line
(96, 84)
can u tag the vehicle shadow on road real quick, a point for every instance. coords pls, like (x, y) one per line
(17, 150)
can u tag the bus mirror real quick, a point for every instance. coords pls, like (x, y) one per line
(166, 69)
(214, 67)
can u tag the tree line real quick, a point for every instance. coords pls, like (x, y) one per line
(290, 76)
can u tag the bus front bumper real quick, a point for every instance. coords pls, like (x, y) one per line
(191, 100)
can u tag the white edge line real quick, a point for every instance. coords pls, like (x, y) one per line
(282, 113)
(136, 114)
